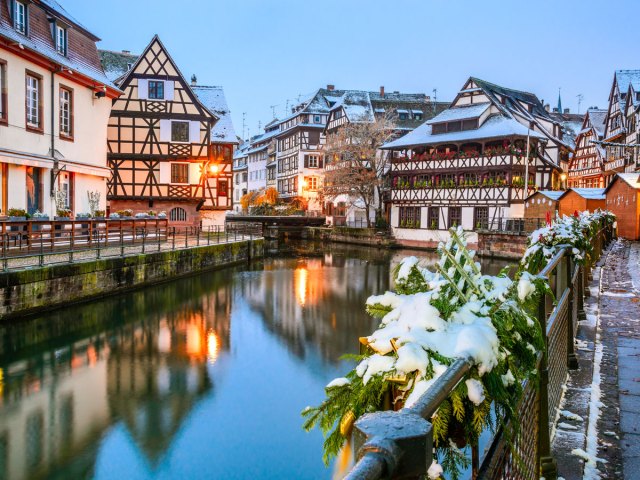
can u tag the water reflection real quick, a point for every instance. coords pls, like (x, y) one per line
(199, 378)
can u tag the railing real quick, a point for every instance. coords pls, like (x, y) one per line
(515, 226)
(85, 240)
(400, 444)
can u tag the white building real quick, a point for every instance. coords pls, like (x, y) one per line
(54, 109)
(240, 175)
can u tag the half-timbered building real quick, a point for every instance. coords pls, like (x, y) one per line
(160, 148)
(54, 108)
(405, 111)
(619, 158)
(469, 164)
(240, 175)
(586, 166)
(223, 144)
(260, 154)
(299, 149)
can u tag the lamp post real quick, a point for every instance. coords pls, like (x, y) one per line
(563, 179)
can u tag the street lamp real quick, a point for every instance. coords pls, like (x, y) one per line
(214, 169)
(563, 178)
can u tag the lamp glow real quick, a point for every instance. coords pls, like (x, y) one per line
(214, 169)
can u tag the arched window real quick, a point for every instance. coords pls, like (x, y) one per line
(178, 214)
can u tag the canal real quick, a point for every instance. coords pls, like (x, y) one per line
(200, 378)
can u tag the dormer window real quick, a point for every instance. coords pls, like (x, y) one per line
(61, 40)
(20, 17)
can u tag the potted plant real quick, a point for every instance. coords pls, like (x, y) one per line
(83, 216)
(140, 215)
(114, 216)
(162, 214)
(62, 214)
(98, 215)
(38, 216)
(125, 214)
(434, 225)
(17, 214)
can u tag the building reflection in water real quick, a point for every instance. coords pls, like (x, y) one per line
(63, 386)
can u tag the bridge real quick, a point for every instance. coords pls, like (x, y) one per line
(274, 226)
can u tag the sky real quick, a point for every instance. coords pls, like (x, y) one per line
(268, 54)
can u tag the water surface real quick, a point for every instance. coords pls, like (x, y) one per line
(203, 377)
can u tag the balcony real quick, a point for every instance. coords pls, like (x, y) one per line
(461, 195)
(456, 161)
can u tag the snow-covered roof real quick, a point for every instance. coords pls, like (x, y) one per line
(257, 149)
(551, 194)
(630, 178)
(356, 105)
(116, 64)
(598, 118)
(85, 62)
(626, 78)
(461, 113)
(589, 193)
(497, 126)
(213, 98)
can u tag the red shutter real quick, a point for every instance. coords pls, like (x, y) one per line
(306, 161)
(321, 161)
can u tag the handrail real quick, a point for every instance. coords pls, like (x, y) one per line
(384, 451)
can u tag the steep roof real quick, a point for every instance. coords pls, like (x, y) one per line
(82, 55)
(597, 118)
(116, 64)
(356, 105)
(497, 126)
(624, 78)
(461, 113)
(213, 98)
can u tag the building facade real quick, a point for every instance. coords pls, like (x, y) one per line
(586, 167)
(163, 153)
(240, 175)
(619, 157)
(469, 164)
(54, 108)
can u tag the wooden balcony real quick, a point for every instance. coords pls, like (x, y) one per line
(425, 164)
(502, 195)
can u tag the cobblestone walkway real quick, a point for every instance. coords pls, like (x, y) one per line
(611, 348)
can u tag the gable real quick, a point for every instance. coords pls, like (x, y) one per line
(156, 65)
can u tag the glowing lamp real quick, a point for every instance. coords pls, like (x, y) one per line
(214, 169)
(304, 184)
(563, 176)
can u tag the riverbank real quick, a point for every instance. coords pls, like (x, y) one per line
(32, 290)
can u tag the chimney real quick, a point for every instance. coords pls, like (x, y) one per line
(555, 110)
(382, 91)
(127, 52)
(194, 80)
(547, 107)
(567, 111)
(331, 88)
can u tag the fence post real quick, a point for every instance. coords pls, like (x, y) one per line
(548, 466)
(186, 237)
(572, 360)
(121, 241)
(173, 239)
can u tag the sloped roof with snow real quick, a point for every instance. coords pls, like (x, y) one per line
(497, 126)
(213, 98)
(356, 105)
(624, 78)
(82, 55)
(630, 178)
(597, 119)
(461, 113)
(551, 194)
(116, 64)
(588, 193)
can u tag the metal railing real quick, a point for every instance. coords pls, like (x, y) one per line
(514, 226)
(400, 444)
(96, 241)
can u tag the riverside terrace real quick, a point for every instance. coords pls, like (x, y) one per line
(29, 244)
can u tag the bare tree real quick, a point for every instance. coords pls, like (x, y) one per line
(354, 164)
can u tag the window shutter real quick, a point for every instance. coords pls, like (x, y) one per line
(194, 132)
(143, 88)
(321, 162)
(169, 94)
(306, 161)
(165, 130)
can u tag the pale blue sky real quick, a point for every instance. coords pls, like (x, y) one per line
(267, 52)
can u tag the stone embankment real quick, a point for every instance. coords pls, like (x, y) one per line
(31, 290)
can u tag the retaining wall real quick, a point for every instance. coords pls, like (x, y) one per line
(356, 236)
(502, 245)
(33, 290)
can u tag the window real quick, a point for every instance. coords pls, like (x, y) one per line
(20, 17)
(312, 183)
(66, 112)
(417, 115)
(455, 216)
(481, 217)
(33, 102)
(3, 92)
(403, 116)
(178, 214)
(61, 40)
(312, 161)
(179, 131)
(223, 188)
(434, 213)
(156, 90)
(316, 119)
(179, 173)
(438, 128)
(409, 217)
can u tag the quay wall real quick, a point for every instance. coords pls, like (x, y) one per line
(502, 245)
(33, 290)
(355, 236)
